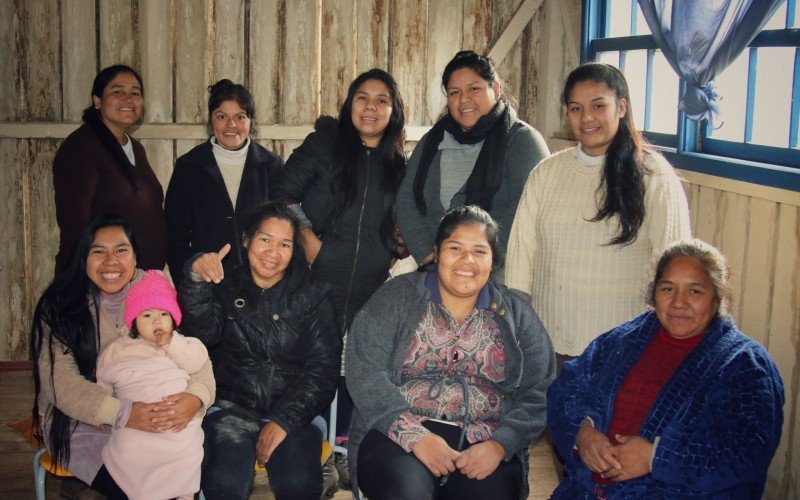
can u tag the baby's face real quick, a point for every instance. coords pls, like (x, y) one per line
(155, 325)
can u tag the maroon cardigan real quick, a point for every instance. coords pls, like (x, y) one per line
(88, 183)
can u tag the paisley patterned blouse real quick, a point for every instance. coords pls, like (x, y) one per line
(444, 359)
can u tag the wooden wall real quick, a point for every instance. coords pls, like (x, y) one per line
(297, 57)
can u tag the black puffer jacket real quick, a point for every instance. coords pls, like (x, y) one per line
(276, 350)
(353, 258)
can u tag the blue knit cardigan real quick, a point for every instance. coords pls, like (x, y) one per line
(716, 423)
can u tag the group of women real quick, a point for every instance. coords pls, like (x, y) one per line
(450, 371)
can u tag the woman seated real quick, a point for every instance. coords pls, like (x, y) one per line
(276, 361)
(675, 403)
(448, 373)
(79, 315)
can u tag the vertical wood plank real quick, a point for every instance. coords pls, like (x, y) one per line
(79, 56)
(41, 216)
(757, 275)
(693, 197)
(155, 30)
(13, 321)
(510, 68)
(733, 243)
(266, 52)
(288, 147)
(229, 43)
(338, 63)
(707, 224)
(118, 29)
(191, 61)
(445, 37)
(300, 85)
(372, 36)
(531, 61)
(10, 57)
(42, 60)
(408, 54)
(477, 25)
(784, 339)
(159, 155)
(183, 146)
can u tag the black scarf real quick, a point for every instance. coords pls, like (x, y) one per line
(92, 118)
(484, 181)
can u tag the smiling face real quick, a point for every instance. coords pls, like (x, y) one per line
(464, 261)
(154, 325)
(594, 115)
(685, 298)
(269, 251)
(111, 261)
(469, 97)
(121, 104)
(371, 110)
(231, 124)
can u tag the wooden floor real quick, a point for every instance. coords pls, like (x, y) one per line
(16, 472)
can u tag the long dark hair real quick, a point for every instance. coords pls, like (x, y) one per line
(63, 314)
(622, 181)
(226, 90)
(344, 171)
(93, 119)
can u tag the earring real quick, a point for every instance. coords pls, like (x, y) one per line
(97, 107)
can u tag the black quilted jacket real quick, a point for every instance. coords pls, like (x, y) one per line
(276, 350)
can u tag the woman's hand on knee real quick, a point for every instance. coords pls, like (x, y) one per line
(436, 455)
(480, 460)
(269, 438)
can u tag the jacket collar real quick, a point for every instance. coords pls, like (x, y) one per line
(432, 284)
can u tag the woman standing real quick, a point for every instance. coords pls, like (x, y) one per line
(81, 313)
(479, 153)
(100, 169)
(676, 403)
(273, 327)
(217, 182)
(448, 372)
(345, 176)
(594, 218)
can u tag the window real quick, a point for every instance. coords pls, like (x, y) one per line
(759, 140)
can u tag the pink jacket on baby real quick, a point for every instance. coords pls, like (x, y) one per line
(149, 465)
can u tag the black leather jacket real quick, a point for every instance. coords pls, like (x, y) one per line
(276, 351)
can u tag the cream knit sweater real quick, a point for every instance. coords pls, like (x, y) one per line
(579, 286)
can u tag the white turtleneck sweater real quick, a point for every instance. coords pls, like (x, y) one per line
(231, 166)
(579, 286)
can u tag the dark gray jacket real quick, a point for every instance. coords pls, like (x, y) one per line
(382, 333)
(525, 148)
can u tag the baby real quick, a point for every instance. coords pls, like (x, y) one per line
(152, 362)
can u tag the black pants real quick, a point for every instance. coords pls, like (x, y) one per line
(294, 470)
(105, 484)
(386, 472)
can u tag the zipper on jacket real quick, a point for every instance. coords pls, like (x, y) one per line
(358, 245)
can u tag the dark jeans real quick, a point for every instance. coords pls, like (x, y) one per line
(294, 469)
(344, 411)
(105, 484)
(386, 472)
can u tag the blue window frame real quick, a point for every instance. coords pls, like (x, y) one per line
(759, 141)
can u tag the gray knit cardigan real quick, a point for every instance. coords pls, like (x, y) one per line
(382, 333)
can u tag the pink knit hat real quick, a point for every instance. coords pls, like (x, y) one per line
(151, 292)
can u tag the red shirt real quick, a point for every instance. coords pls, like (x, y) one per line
(644, 382)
